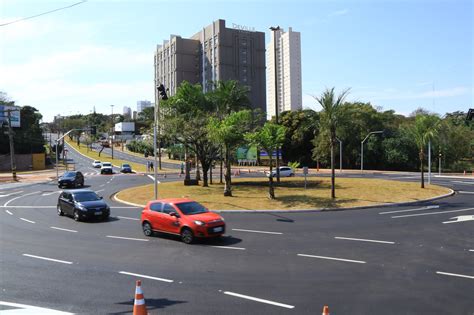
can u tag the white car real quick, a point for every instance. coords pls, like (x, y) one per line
(285, 171)
(96, 164)
(106, 168)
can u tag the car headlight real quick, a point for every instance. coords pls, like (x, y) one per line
(200, 223)
(81, 207)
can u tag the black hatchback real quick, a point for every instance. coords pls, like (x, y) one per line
(82, 204)
(71, 179)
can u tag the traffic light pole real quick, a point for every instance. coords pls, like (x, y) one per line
(12, 147)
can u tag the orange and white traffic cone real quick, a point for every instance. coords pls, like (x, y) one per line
(139, 307)
(326, 310)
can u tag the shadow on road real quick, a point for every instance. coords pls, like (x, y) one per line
(281, 218)
(151, 304)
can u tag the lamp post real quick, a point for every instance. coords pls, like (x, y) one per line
(113, 131)
(275, 63)
(362, 148)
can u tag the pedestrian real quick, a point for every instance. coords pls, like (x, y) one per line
(151, 166)
(182, 167)
(147, 166)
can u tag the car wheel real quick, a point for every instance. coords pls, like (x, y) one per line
(60, 212)
(187, 236)
(106, 217)
(147, 230)
(292, 174)
(77, 217)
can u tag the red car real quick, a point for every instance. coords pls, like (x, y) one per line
(181, 216)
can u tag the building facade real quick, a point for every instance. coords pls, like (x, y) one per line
(215, 53)
(127, 112)
(284, 54)
(141, 105)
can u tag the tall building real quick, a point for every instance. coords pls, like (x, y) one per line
(215, 53)
(127, 112)
(141, 105)
(287, 54)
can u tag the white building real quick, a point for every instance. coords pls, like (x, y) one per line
(288, 72)
(141, 105)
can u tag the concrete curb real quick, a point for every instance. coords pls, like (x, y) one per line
(382, 205)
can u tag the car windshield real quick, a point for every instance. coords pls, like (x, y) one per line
(190, 208)
(86, 196)
(106, 164)
(96, 161)
(125, 165)
(69, 174)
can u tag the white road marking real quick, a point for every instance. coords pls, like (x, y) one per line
(454, 275)
(471, 250)
(50, 193)
(8, 212)
(258, 299)
(153, 179)
(363, 240)
(135, 219)
(125, 207)
(102, 185)
(13, 193)
(404, 177)
(97, 191)
(50, 259)
(28, 207)
(145, 276)
(431, 213)
(254, 231)
(8, 202)
(26, 220)
(461, 182)
(128, 238)
(333, 258)
(466, 192)
(28, 309)
(461, 218)
(229, 247)
(410, 210)
(61, 229)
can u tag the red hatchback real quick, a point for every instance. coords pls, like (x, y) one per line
(183, 217)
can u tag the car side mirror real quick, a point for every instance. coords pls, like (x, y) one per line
(174, 214)
(101, 197)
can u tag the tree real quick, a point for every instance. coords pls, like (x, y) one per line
(229, 132)
(423, 130)
(270, 138)
(329, 120)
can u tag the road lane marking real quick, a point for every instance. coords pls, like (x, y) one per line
(255, 231)
(248, 297)
(97, 191)
(29, 309)
(229, 247)
(128, 238)
(454, 275)
(8, 212)
(362, 240)
(461, 218)
(26, 220)
(466, 192)
(13, 193)
(102, 185)
(145, 276)
(50, 259)
(333, 258)
(410, 210)
(461, 182)
(153, 179)
(61, 229)
(127, 218)
(431, 213)
(50, 193)
(8, 202)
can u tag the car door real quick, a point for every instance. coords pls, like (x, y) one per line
(66, 203)
(80, 178)
(155, 215)
(170, 223)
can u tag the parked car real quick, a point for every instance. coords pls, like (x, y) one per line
(82, 204)
(96, 164)
(285, 171)
(183, 217)
(71, 179)
(126, 168)
(106, 168)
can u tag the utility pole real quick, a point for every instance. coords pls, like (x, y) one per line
(113, 131)
(429, 162)
(275, 64)
(362, 148)
(12, 147)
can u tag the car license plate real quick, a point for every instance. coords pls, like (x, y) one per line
(98, 213)
(218, 229)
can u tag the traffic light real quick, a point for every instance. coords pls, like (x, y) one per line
(162, 90)
(93, 130)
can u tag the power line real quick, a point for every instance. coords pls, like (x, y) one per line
(44, 13)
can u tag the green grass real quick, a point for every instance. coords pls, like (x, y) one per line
(252, 193)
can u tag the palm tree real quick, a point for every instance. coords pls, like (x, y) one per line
(329, 119)
(423, 130)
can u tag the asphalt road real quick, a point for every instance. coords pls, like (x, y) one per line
(416, 259)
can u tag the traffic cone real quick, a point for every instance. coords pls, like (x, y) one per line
(139, 307)
(325, 310)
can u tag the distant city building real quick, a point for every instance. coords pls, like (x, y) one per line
(288, 71)
(127, 112)
(134, 115)
(141, 105)
(216, 53)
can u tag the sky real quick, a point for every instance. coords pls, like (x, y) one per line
(397, 55)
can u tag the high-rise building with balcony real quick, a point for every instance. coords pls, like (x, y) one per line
(141, 105)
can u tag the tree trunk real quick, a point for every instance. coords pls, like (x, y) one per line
(205, 169)
(187, 176)
(421, 168)
(227, 177)
(271, 191)
(333, 174)
(210, 174)
(222, 166)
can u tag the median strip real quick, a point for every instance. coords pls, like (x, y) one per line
(145, 276)
(255, 231)
(49, 259)
(454, 275)
(128, 238)
(248, 297)
(333, 258)
(363, 240)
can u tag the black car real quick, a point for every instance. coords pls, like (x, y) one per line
(82, 204)
(71, 179)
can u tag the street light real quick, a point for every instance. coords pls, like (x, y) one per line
(113, 131)
(362, 148)
(274, 30)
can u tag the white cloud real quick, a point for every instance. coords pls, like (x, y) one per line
(338, 13)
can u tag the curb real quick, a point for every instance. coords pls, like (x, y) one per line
(114, 197)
